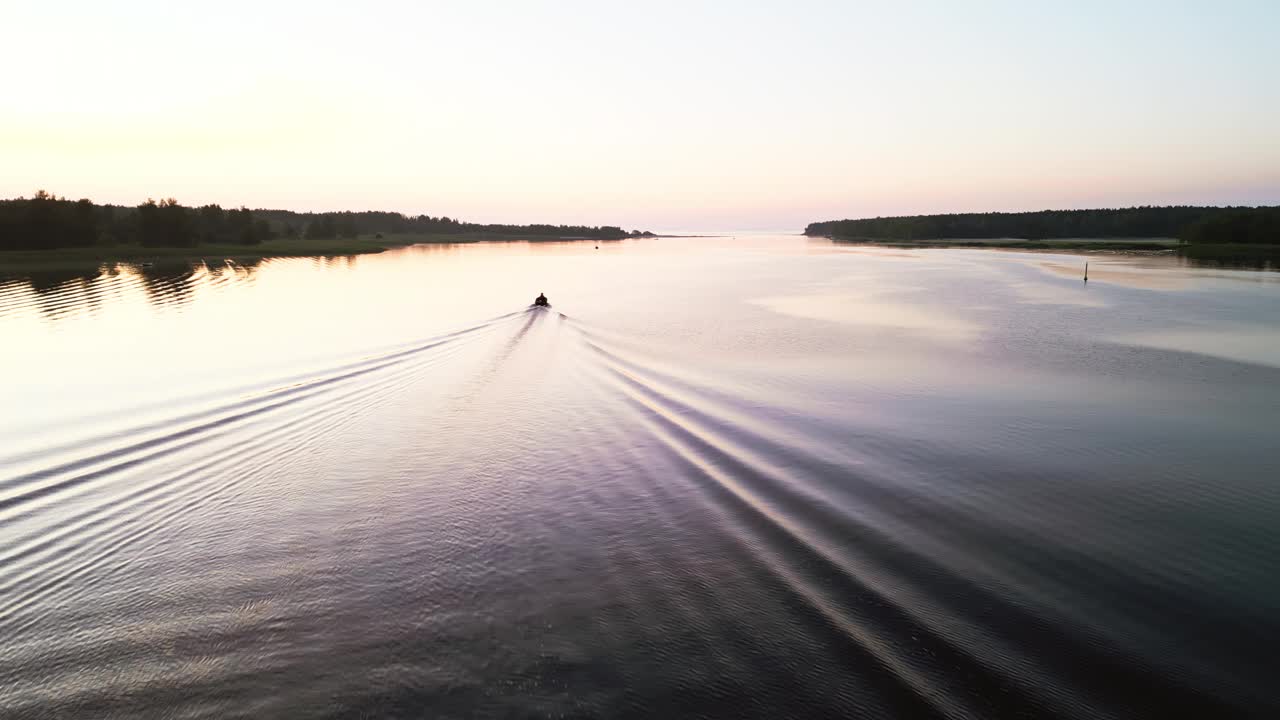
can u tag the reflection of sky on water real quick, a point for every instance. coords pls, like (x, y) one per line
(128, 335)
(377, 441)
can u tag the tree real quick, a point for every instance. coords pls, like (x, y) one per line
(164, 224)
(321, 228)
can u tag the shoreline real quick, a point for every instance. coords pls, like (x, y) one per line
(72, 258)
(1253, 255)
(1121, 244)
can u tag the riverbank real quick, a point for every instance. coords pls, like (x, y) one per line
(59, 258)
(89, 257)
(1247, 255)
(1227, 254)
(1114, 244)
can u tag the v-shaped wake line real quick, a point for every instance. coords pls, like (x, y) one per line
(99, 456)
(218, 454)
(248, 395)
(775, 490)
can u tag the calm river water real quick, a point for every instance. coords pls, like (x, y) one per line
(756, 477)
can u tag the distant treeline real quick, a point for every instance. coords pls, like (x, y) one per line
(46, 221)
(1246, 225)
(352, 224)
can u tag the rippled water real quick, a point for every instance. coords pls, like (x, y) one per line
(763, 477)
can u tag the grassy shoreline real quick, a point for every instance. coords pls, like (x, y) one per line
(88, 257)
(1225, 254)
(1117, 244)
(1233, 253)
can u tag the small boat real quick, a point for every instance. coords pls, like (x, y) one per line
(541, 301)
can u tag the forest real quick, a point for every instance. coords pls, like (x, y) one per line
(1189, 224)
(46, 221)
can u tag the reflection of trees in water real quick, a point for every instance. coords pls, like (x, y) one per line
(58, 294)
(46, 281)
(247, 270)
(174, 285)
(229, 272)
(62, 293)
(171, 286)
(334, 262)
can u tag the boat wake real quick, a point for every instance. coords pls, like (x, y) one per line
(501, 514)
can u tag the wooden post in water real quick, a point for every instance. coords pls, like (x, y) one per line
(1086, 271)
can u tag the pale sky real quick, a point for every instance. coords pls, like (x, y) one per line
(657, 115)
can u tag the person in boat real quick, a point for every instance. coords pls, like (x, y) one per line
(542, 301)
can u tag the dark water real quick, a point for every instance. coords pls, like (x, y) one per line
(762, 478)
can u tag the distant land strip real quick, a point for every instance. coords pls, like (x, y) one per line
(1206, 232)
(50, 230)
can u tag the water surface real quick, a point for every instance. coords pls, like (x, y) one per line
(750, 477)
